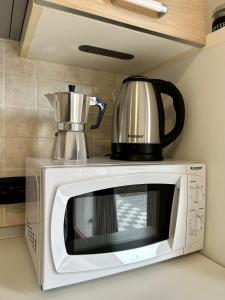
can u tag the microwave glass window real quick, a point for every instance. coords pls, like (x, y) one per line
(118, 219)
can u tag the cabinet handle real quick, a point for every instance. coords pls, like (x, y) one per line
(149, 4)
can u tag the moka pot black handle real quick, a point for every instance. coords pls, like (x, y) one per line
(102, 108)
(166, 87)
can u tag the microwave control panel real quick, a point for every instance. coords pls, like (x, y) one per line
(196, 210)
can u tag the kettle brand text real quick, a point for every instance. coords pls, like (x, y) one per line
(135, 136)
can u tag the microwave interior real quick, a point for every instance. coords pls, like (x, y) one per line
(117, 219)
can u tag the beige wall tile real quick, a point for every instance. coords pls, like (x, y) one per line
(2, 151)
(102, 148)
(17, 150)
(2, 173)
(20, 122)
(92, 117)
(1, 87)
(14, 64)
(2, 215)
(20, 90)
(46, 123)
(42, 148)
(120, 78)
(47, 86)
(90, 146)
(105, 79)
(52, 71)
(104, 131)
(1, 121)
(80, 75)
(1, 55)
(101, 133)
(15, 214)
(14, 172)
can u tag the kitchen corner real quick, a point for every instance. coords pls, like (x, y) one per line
(112, 149)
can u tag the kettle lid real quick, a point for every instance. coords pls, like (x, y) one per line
(137, 78)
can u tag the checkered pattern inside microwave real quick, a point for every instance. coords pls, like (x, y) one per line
(131, 213)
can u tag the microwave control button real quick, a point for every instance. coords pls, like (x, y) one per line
(199, 193)
(196, 189)
(195, 224)
(198, 223)
(191, 224)
(201, 217)
(192, 193)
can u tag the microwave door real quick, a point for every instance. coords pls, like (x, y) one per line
(116, 218)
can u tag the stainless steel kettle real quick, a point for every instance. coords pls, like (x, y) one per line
(138, 131)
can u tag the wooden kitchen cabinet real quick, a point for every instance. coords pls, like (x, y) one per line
(184, 21)
(59, 30)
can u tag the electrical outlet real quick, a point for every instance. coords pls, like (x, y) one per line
(12, 190)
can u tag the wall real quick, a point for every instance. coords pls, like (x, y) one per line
(26, 120)
(200, 78)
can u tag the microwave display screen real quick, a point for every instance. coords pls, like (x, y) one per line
(117, 219)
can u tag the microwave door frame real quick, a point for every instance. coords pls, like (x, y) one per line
(65, 263)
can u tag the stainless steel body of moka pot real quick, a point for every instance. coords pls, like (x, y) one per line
(139, 119)
(71, 115)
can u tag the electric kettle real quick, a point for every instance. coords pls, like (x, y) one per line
(138, 129)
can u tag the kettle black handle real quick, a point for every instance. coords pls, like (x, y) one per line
(102, 108)
(166, 87)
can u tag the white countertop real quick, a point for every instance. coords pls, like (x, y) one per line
(185, 278)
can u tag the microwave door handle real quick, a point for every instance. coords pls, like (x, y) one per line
(173, 217)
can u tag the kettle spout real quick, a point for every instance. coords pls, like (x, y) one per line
(51, 98)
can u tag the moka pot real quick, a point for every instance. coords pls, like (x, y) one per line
(71, 115)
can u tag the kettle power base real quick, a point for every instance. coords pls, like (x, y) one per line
(136, 152)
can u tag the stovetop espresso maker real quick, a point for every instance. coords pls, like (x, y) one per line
(71, 115)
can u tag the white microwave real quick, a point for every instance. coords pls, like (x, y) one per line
(101, 217)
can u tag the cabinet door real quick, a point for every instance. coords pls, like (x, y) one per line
(184, 21)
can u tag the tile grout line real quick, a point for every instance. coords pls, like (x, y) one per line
(4, 130)
(3, 121)
(30, 138)
(4, 216)
(36, 86)
(3, 111)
